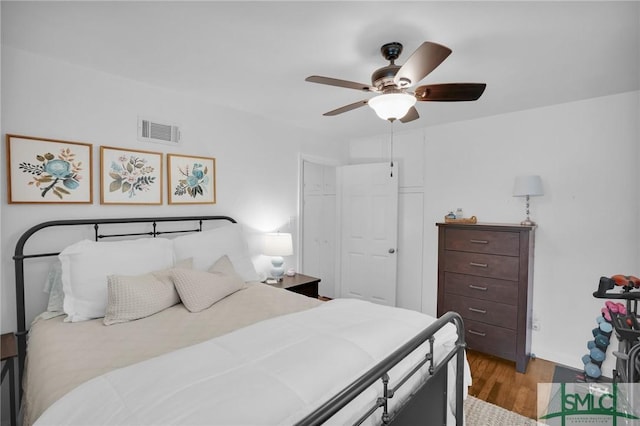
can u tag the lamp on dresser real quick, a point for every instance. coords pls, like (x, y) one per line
(528, 186)
(276, 245)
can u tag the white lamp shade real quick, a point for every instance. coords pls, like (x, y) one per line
(392, 105)
(278, 244)
(528, 185)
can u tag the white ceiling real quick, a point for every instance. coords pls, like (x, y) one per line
(254, 56)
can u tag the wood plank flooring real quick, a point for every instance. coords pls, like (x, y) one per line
(496, 381)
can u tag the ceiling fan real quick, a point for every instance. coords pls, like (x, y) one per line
(392, 84)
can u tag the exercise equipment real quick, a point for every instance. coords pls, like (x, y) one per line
(623, 318)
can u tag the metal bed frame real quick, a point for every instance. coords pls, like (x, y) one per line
(428, 403)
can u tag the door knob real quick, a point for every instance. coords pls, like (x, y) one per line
(392, 250)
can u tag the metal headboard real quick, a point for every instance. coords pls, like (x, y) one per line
(19, 257)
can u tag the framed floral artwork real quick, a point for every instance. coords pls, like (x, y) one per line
(43, 170)
(192, 180)
(130, 177)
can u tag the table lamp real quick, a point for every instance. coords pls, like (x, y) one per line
(278, 244)
(528, 186)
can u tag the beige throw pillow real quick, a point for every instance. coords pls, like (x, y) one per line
(134, 297)
(225, 266)
(199, 290)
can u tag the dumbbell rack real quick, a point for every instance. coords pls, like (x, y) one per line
(628, 332)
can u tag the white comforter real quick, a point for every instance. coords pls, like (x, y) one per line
(270, 373)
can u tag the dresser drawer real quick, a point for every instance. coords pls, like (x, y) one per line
(482, 241)
(483, 265)
(481, 288)
(490, 339)
(482, 310)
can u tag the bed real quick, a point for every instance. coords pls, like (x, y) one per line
(255, 355)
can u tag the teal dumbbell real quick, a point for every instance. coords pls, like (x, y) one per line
(592, 370)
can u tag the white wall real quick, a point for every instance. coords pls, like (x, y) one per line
(587, 154)
(257, 160)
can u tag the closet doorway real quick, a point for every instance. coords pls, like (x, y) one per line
(318, 223)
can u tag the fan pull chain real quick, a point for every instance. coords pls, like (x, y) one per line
(391, 148)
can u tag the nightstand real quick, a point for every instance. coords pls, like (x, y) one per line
(8, 353)
(299, 283)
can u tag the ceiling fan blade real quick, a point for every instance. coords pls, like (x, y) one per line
(411, 115)
(425, 59)
(346, 108)
(450, 92)
(340, 83)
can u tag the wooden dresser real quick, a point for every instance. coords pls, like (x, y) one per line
(485, 274)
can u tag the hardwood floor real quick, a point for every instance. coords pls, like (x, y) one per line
(496, 381)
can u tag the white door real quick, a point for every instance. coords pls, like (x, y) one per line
(368, 200)
(319, 224)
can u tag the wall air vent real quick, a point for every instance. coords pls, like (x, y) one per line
(156, 131)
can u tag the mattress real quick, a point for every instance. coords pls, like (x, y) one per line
(273, 372)
(63, 355)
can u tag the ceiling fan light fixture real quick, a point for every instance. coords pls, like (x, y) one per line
(392, 106)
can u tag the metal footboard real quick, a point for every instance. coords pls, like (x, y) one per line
(428, 404)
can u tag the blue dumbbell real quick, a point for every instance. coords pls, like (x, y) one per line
(592, 370)
(597, 356)
(604, 329)
(601, 342)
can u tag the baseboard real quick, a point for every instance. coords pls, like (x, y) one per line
(574, 361)
(564, 374)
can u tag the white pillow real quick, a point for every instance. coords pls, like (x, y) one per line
(204, 246)
(87, 264)
(53, 286)
(199, 290)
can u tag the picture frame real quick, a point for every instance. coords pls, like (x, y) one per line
(129, 176)
(192, 179)
(48, 171)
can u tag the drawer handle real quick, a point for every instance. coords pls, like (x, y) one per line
(479, 241)
(477, 287)
(477, 333)
(478, 311)
(479, 265)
